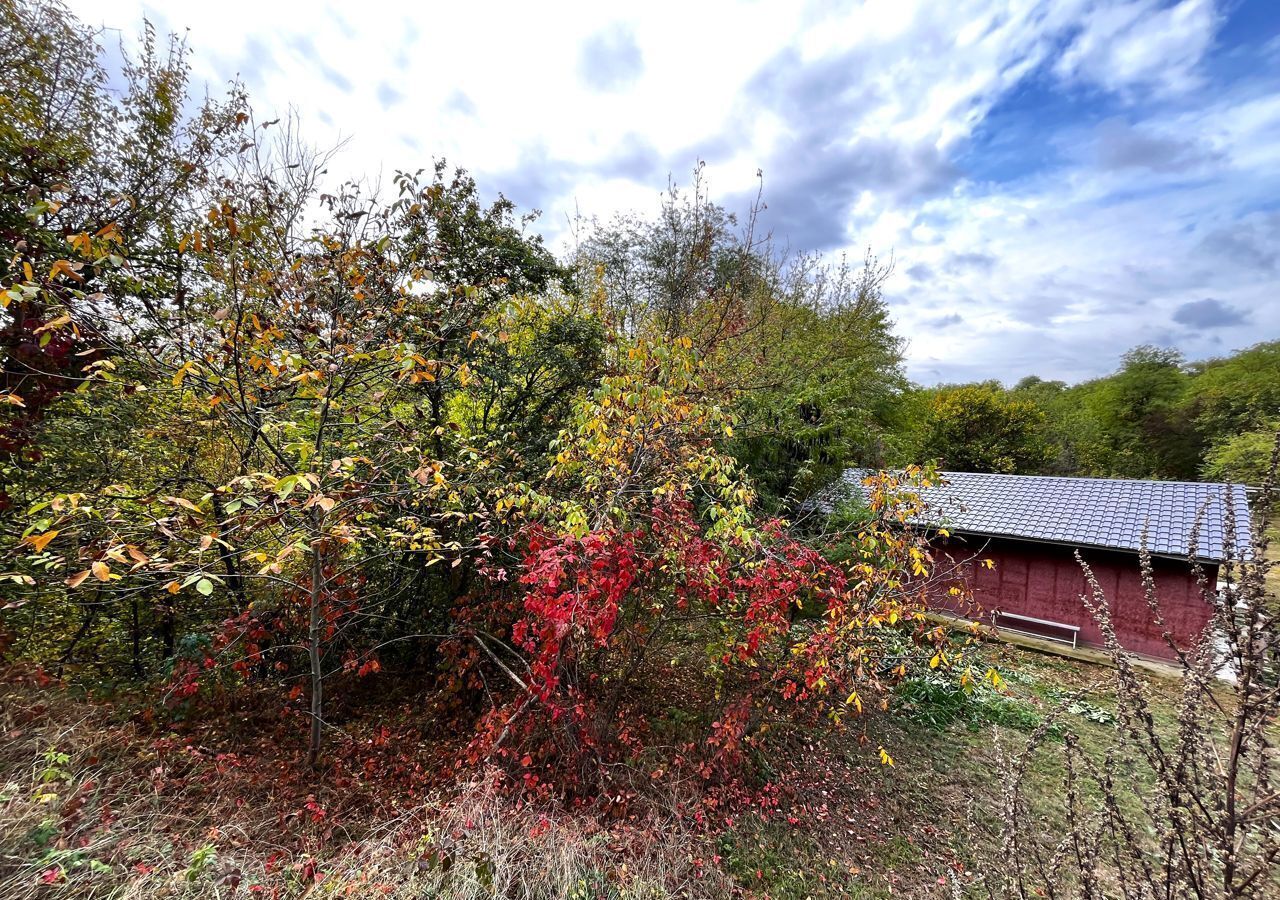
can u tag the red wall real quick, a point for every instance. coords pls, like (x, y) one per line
(1045, 581)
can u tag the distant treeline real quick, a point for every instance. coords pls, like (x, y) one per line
(1157, 416)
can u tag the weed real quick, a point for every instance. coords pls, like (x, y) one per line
(938, 700)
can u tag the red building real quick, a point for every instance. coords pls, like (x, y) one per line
(1030, 528)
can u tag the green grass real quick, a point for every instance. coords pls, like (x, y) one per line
(899, 830)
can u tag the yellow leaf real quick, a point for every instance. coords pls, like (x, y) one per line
(54, 324)
(935, 662)
(39, 542)
(101, 571)
(885, 758)
(185, 369)
(184, 503)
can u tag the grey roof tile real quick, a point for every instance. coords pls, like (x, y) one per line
(1083, 512)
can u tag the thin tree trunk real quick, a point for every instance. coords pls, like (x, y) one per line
(137, 638)
(313, 647)
(90, 617)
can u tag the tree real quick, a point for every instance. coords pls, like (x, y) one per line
(803, 348)
(1244, 458)
(821, 381)
(1240, 393)
(1144, 434)
(284, 405)
(642, 546)
(89, 178)
(268, 429)
(980, 428)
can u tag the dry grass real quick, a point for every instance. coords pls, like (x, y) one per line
(115, 810)
(88, 809)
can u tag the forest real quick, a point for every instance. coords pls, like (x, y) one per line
(1157, 416)
(340, 499)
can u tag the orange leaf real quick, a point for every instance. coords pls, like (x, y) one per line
(41, 541)
(77, 579)
(101, 571)
(65, 267)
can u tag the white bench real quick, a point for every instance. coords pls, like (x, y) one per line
(1072, 630)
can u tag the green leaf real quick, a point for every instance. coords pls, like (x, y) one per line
(204, 586)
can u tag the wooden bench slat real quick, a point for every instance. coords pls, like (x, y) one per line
(1073, 629)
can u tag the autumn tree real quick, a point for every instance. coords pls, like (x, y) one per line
(275, 402)
(298, 430)
(979, 428)
(643, 545)
(88, 179)
(802, 347)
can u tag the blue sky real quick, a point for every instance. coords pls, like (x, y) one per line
(1055, 181)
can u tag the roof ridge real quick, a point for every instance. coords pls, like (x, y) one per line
(1095, 479)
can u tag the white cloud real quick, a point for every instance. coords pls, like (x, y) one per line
(858, 115)
(1141, 44)
(1090, 262)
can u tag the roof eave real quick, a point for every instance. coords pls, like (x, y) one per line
(1180, 557)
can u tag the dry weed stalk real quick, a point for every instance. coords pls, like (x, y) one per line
(1188, 810)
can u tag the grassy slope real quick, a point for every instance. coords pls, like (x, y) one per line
(185, 819)
(905, 831)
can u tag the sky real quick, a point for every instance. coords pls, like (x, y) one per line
(1055, 182)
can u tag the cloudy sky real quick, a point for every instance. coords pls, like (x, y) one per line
(1056, 181)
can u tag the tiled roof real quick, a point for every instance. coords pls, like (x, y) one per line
(1081, 512)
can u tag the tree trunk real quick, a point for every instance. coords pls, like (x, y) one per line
(313, 648)
(136, 638)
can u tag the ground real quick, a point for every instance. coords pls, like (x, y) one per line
(100, 800)
(905, 830)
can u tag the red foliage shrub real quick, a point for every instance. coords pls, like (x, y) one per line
(764, 630)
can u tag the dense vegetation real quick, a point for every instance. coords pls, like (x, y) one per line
(1157, 416)
(281, 457)
(263, 431)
